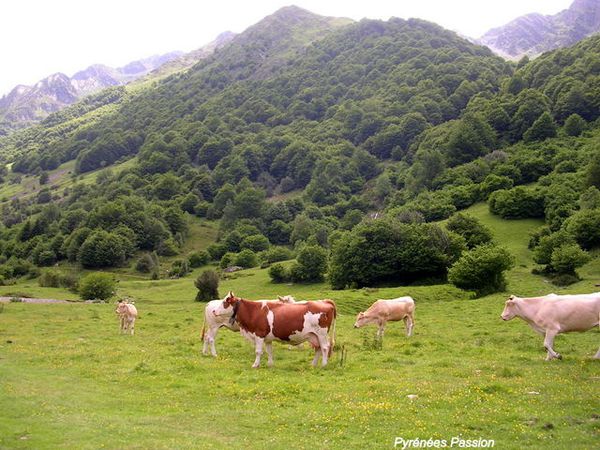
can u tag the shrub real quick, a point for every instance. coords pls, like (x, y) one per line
(246, 259)
(566, 258)
(97, 285)
(278, 273)
(482, 269)
(199, 259)
(517, 203)
(542, 253)
(493, 183)
(310, 266)
(145, 263)
(256, 243)
(168, 248)
(564, 279)
(103, 249)
(276, 254)
(180, 268)
(386, 249)
(584, 226)
(574, 125)
(216, 251)
(474, 232)
(49, 278)
(227, 260)
(207, 284)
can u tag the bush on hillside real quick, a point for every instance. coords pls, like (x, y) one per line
(199, 259)
(207, 284)
(310, 265)
(482, 269)
(470, 228)
(97, 286)
(568, 257)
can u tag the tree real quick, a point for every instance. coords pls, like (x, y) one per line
(103, 249)
(543, 128)
(207, 284)
(568, 257)
(278, 273)
(593, 171)
(584, 226)
(44, 178)
(575, 125)
(246, 259)
(470, 228)
(482, 269)
(387, 249)
(199, 259)
(310, 266)
(97, 285)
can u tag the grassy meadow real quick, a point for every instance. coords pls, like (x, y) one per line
(69, 380)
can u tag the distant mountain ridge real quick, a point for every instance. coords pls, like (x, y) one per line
(533, 34)
(27, 105)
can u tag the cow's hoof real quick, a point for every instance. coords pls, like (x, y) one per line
(558, 356)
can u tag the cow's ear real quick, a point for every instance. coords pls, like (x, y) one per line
(281, 299)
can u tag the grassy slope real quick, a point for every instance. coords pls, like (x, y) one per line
(68, 380)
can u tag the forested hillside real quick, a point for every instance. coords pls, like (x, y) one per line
(300, 130)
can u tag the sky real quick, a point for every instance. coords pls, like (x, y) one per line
(42, 37)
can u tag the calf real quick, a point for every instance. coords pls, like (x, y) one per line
(554, 314)
(384, 311)
(127, 313)
(214, 320)
(264, 322)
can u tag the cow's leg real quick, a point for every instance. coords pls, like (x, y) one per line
(409, 323)
(317, 356)
(324, 347)
(132, 326)
(258, 346)
(122, 324)
(549, 343)
(211, 337)
(269, 347)
(380, 330)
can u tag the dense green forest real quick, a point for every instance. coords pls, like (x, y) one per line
(299, 133)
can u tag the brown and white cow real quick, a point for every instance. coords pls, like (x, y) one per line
(554, 314)
(127, 314)
(264, 322)
(384, 311)
(214, 321)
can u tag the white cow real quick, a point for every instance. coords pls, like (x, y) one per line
(554, 314)
(127, 314)
(383, 311)
(215, 318)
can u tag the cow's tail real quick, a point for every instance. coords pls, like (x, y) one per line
(203, 329)
(332, 340)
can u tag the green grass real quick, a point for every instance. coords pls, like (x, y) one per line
(69, 380)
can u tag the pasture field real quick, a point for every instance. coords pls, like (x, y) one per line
(69, 380)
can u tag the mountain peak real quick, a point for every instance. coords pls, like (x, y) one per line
(535, 33)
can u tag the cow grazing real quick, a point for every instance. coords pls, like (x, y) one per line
(127, 314)
(384, 311)
(213, 321)
(554, 314)
(264, 322)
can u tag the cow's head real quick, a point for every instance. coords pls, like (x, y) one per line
(230, 301)
(362, 319)
(510, 308)
(121, 307)
(286, 299)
